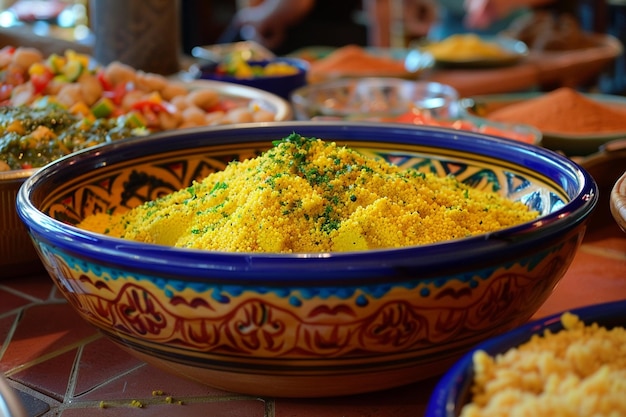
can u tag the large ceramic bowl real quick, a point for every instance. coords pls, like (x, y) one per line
(453, 390)
(17, 256)
(305, 324)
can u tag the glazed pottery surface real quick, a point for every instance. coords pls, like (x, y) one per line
(453, 389)
(305, 324)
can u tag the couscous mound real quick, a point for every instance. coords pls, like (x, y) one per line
(308, 195)
(577, 372)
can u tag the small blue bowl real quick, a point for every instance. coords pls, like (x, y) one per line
(453, 390)
(281, 85)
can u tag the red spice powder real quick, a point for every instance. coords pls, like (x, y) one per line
(355, 60)
(564, 111)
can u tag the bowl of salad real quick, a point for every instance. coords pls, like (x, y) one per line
(52, 106)
(279, 75)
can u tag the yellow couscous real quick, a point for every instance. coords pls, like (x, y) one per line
(465, 46)
(577, 372)
(308, 195)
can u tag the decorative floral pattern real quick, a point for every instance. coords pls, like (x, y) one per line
(404, 317)
(378, 325)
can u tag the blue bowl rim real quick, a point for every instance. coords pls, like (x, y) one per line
(359, 265)
(444, 399)
(207, 71)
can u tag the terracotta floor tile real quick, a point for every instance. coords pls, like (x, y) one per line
(33, 406)
(54, 327)
(6, 325)
(407, 401)
(100, 361)
(238, 408)
(10, 301)
(140, 383)
(582, 285)
(32, 286)
(49, 377)
(607, 248)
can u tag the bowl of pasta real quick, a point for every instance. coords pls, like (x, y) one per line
(307, 259)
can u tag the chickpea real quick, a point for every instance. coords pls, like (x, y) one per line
(90, 88)
(148, 81)
(131, 98)
(262, 115)
(173, 90)
(214, 118)
(203, 98)
(239, 115)
(169, 121)
(22, 94)
(180, 102)
(24, 57)
(193, 114)
(118, 73)
(70, 94)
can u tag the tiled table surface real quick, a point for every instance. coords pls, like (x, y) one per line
(61, 366)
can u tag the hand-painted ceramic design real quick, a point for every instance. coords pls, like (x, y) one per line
(453, 389)
(315, 324)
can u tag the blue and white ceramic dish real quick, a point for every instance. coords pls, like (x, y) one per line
(281, 85)
(305, 324)
(453, 389)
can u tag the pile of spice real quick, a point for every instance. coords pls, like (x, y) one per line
(353, 60)
(308, 195)
(564, 110)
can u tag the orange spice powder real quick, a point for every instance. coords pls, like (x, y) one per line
(355, 60)
(564, 110)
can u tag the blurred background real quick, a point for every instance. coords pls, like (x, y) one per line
(205, 22)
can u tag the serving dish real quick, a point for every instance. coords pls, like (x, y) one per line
(452, 391)
(374, 98)
(215, 53)
(456, 51)
(618, 201)
(305, 324)
(606, 167)
(17, 256)
(571, 144)
(280, 84)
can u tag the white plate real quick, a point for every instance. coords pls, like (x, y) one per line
(277, 105)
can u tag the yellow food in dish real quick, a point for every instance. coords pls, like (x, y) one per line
(308, 195)
(464, 47)
(579, 371)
